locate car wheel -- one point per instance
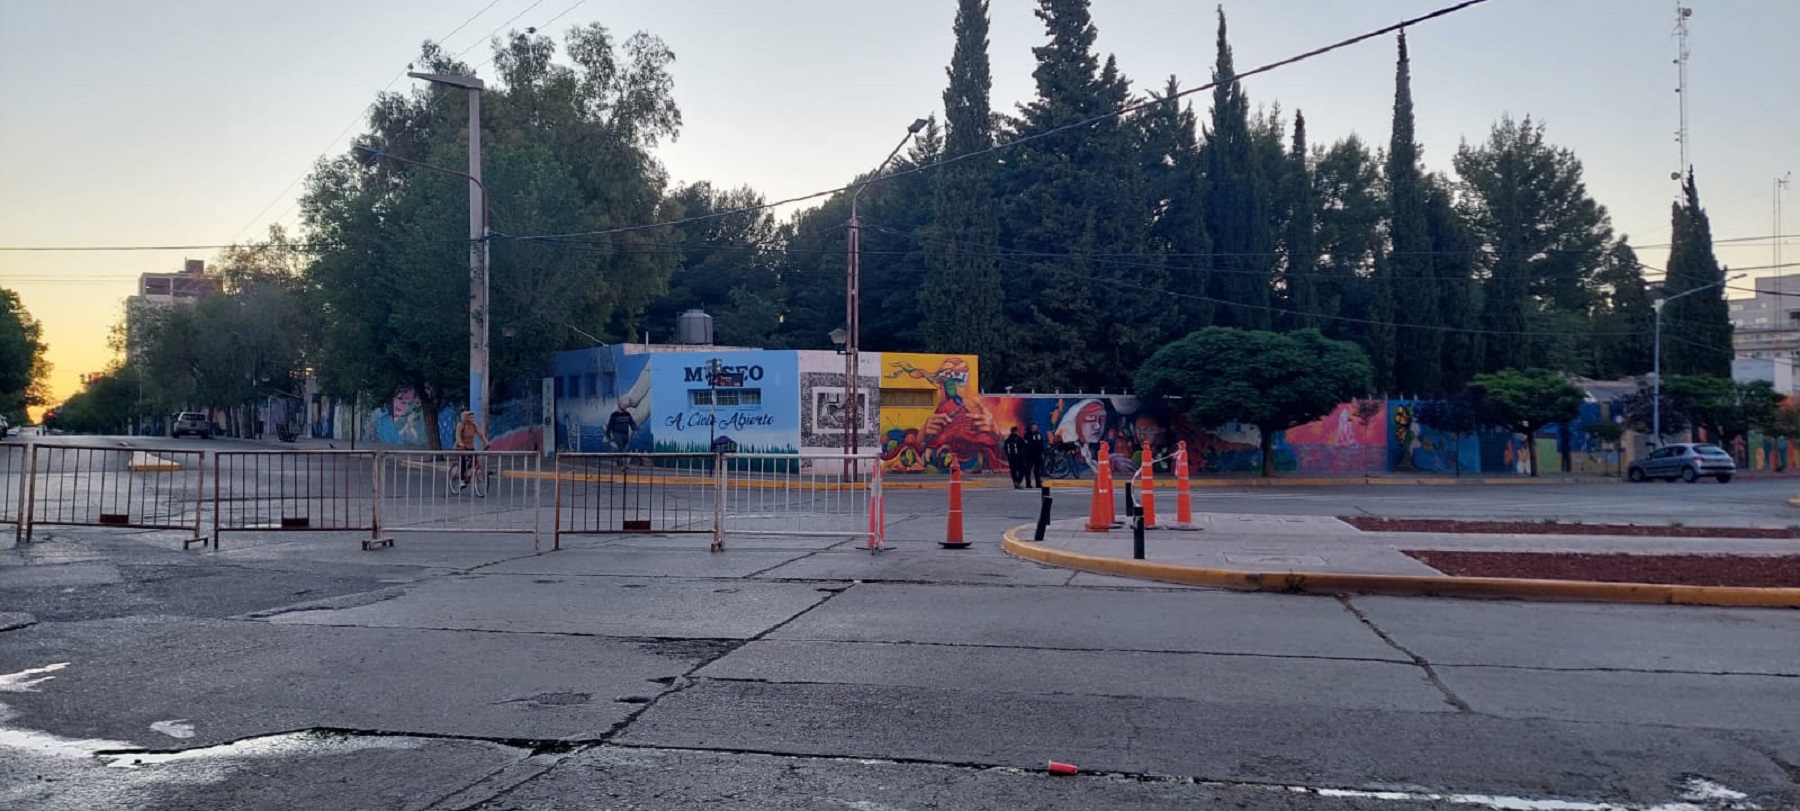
(1689, 475)
(1724, 478)
(1636, 474)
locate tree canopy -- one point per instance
(1271, 380)
(1525, 400)
(23, 369)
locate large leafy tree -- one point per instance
(1544, 238)
(962, 301)
(1529, 399)
(1239, 201)
(1274, 381)
(1453, 264)
(727, 264)
(1702, 320)
(1169, 153)
(570, 176)
(1418, 336)
(1346, 182)
(1726, 408)
(1623, 317)
(23, 369)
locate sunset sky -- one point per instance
(191, 123)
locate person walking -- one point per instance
(620, 426)
(1034, 457)
(1014, 447)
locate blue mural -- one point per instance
(590, 385)
(761, 416)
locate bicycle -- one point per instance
(467, 470)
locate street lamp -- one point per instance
(1656, 355)
(853, 313)
(478, 245)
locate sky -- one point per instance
(192, 123)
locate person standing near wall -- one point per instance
(1034, 456)
(620, 426)
(1014, 447)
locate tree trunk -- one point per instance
(1267, 440)
(1531, 450)
(428, 413)
(1456, 453)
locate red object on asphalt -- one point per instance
(1100, 511)
(1059, 767)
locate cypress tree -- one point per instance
(962, 297)
(1702, 321)
(1301, 245)
(1418, 339)
(1237, 202)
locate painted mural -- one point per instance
(943, 418)
(591, 384)
(1353, 438)
(762, 416)
(401, 421)
(823, 413)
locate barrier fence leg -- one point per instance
(556, 505)
(375, 538)
(30, 513)
(218, 499)
(720, 493)
(1148, 510)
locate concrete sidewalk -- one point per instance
(1321, 554)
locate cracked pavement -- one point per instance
(468, 671)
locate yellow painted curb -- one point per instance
(146, 462)
(1403, 585)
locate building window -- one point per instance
(731, 398)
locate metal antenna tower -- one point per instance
(1682, 13)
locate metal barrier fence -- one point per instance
(80, 485)
(427, 491)
(789, 494)
(607, 493)
(14, 471)
(317, 491)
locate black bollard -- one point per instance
(1137, 536)
(1043, 516)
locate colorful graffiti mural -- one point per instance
(1353, 438)
(932, 414)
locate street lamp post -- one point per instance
(853, 314)
(478, 246)
(1656, 355)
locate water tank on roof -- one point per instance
(693, 327)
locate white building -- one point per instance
(157, 290)
(1767, 325)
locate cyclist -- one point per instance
(466, 432)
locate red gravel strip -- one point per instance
(1756, 571)
(1373, 524)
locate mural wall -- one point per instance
(762, 416)
(823, 414)
(590, 386)
(931, 412)
(401, 420)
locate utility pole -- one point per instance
(1682, 13)
(853, 314)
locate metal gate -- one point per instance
(84, 485)
(14, 471)
(607, 493)
(317, 491)
(424, 491)
(795, 495)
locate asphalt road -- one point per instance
(471, 670)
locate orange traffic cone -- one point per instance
(1100, 512)
(953, 535)
(1149, 499)
(1184, 509)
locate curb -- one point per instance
(146, 462)
(1404, 585)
